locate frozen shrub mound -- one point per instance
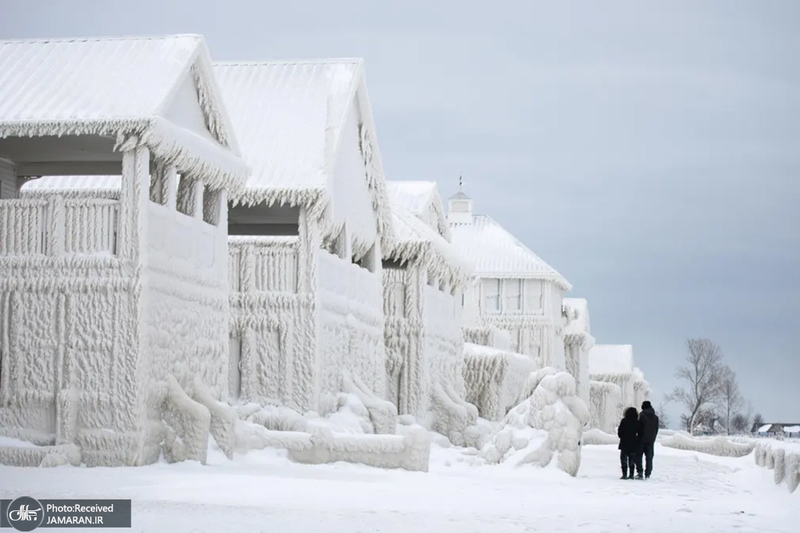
(546, 425)
(596, 436)
(713, 446)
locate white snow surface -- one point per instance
(265, 491)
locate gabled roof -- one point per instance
(119, 87)
(416, 241)
(497, 253)
(420, 198)
(289, 116)
(608, 359)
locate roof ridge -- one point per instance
(99, 38)
(269, 62)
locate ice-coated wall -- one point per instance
(100, 298)
(351, 325)
(273, 323)
(534, 326)
(494, 379)
(424, 351)
(578, 341)
(605, 406)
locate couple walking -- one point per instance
(637, 435)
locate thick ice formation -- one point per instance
(605, 406)
(547, 425)
(714, 445)
(422, 286)
(494, 379)
(783, 459)
(578, 341)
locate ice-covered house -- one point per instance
(513, 289)
(306, 234)
(104, 295)
(616, 383)
(578, 340)
(423, 277)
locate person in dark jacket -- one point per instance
(628, 442)
(648, 431)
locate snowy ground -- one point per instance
(263, 491)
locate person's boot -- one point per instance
(639, 476)
(625, 474)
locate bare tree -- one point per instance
(701, 379)
(758, 421)
(730, 399)
(663, 419)
(740, 423)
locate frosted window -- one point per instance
(186, 194)
(158, 185)
(513, 294)
(212, 205)
(491, 288)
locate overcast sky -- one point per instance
(651, 154)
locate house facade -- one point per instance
(615, 382)
(306, 234)
(423, 279)
(512, 290)
(103, 296)
(578, 341)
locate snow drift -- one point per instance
(546, 425)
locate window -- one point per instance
(491, 292)
(186, 195)
(513, 295)
(212, 205)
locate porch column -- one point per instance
(134, 195)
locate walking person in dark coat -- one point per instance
(648, 431)
(628, 442)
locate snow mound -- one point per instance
(714, 446)
(546, 425)
(596, 436)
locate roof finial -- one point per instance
(460, 183)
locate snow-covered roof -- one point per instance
(414, 240)
(764, 428)
(289, 116)
(496, 253)
(96, 186)
(120, 87)
(791, 429)
(420, 198)
(607, 359)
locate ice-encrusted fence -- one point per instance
(59, 226)
(264, 264)
(783, 459)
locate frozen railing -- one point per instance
(56, 227)
(23, 227)
(263, 264)
(90, 226)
